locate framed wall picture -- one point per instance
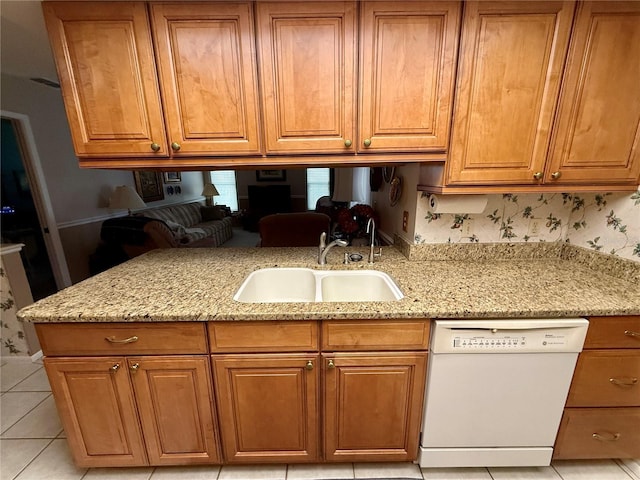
(172, 177)
(149, 185)
(271, 175)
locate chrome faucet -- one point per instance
(323, 249)
(371, 229)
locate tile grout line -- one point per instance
(14, 386)
(33, 459)
(25, 378)
(626, 469)
(27, 413)
(557, 472)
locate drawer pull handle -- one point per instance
(126, 340)
(609, 437)
(115, 368)
(631, 333)
(624, 383)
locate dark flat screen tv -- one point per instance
(268, 199)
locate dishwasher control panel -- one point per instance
(495, 340)
(504, 336)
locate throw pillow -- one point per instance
(210, 213)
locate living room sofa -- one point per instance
(172, 226)
(193, 224)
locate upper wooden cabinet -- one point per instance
(307, 57)
(511, 60)
(539, 108)
(408, 56)
(207, 70)
(597, 133)
(104, 58)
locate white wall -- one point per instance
(391, 216)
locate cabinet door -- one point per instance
(175, 403)
(268, 407)
(96, 407)
(373, 406)
(597, 133)
(511, 59)
(408, 55)
(307, 62)
(206, 62)
(104, 57)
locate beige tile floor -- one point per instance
(33, 447)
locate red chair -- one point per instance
(293, 229)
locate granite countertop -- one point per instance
(503, 280)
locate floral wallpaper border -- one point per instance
(607, 223)
(12, 340)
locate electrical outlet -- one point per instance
(467, 228)
(534, 227)
(405, 221)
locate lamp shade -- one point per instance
(210, 190)
(125, 197)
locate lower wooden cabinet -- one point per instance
(127, 398)
(97, 409)
(599, 433)
(602, 418)
(373, 405)
(268, 407)
(175, 404)
(109, 404)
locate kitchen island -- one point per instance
(154, 363)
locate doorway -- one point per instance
(20, 215)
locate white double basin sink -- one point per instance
(283, 285)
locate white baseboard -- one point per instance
(37, 356)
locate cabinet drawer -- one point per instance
(606, 378)
(613, 332)
(247, 337)
(122, 338)
(599, 433)
(375, 335)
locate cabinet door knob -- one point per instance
(115, 367)
(607, 437)
(134, 368)
(155, 147)
(624, 382)
(347, 143)
(331, 364)
(367, 142)
(556, 175)
(175, 146)
(309, 365)
(537, 175)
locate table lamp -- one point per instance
(209, 192)
(125, 197)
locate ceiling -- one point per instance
(24, 46)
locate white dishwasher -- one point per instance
(496, 390)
